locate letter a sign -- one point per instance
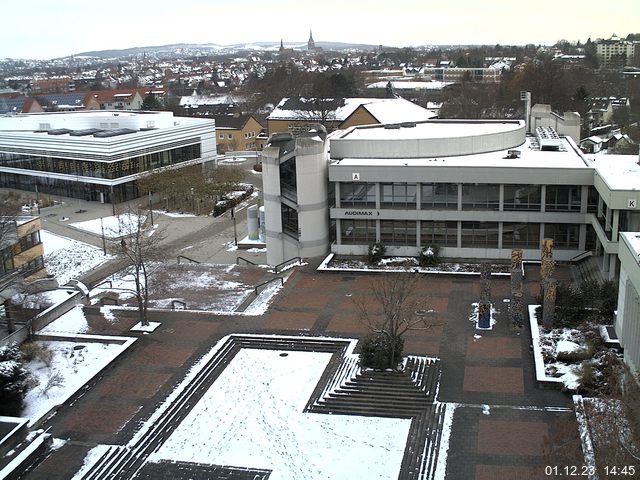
(355, 176)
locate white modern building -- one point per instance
(476, 188)
(98, 155)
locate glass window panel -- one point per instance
(522, 197)
(480, 196)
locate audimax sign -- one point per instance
(361, 213)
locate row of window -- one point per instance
(108, 170)
(247, 135)
(28, 241)
(445, 234)
(444, 196)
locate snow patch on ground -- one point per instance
(114, 226)
(73, 363)
(66, 258)
(71, 322)
(278, 435)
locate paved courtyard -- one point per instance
(499, 425)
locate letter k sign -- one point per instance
(632, 203)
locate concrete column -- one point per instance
(338, 231)
(582, 239)
(419, 196)
(459, 203)
(543, 198)
(378, 195)
(584, 199)
(336, 185)
(613, 261)
(615, 221)
(501, 198)
(459, 239)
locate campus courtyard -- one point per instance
(280, 395)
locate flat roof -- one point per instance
(530, 157)
(431, 130)
(620, 172)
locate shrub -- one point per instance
(33, 351)
(376, 252)
(376, 351)
(13, 381)
(429, 256)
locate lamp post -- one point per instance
(235, 230)
(150, 209)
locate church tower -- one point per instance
(311, 45)
(281, 46)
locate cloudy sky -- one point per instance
(48, 29)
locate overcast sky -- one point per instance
(47, 29)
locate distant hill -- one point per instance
(220, 49)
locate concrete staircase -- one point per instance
(587, 270)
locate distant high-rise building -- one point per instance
(311, 45)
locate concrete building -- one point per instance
(616, 52)
(98, 155)
(628, 317)
(567, 124)
(476, 188)
(296, 115)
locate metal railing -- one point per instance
(245, 260)
(255, 289)
(181, 304)
(286, 263)
(186, 258)
(581, 256)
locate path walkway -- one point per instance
(499, 424)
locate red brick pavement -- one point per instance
(507, 472)
(133, 383)
(493, 379)
(291, 320)
(494, 347)
(109, 417)
(506, 437)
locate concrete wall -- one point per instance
(567, 125)
(627, 324)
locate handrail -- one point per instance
(102, 283)
(275, 269)
(255, 289)
(242, 258)
(581, 256)
(186, 258)
(179, 302)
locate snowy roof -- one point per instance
(530, 157)
(620, 172)
(385, 110)
(633, 239)
(400, 85)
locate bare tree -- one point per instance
(139, 248)
(11, 278)
(395, 310)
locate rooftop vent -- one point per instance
(513, 154)
(548, 139)
(392, 126)
(59, 131)
(114, 133)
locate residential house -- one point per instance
(68, 102)
(122, 99)
(237, 133)
(295, 115)
(19, 104)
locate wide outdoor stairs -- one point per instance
(344, 389)
(587, 270)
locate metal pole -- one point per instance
(235, 230)
(37, 198)
(150, 209)
(104, 242)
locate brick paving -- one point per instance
(495, 369)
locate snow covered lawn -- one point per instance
(252, 416)
(73, 364)
(66, 258)
(114, 226)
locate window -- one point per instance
(480, 234)
(522, 197)
(398, 195)
(359, 232)
(221, 136)
(443, 234)
(480, 196)
(564, 235)
(439, 196)
(288, 180)
(563, 198)
(289, 221)
(29, 241)
(230, 136)
(520, 235)
(398, 232)
(362, 195)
